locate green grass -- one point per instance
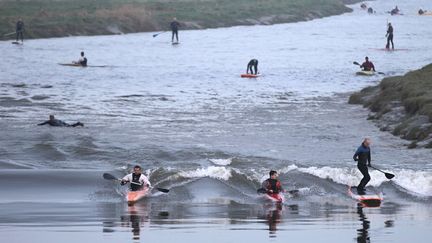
(52, 18)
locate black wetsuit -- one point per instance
(84, 62)
(59, 123)
(390, 37)
(272, 184)
(370, 10)
(363, 158)
(20, 31)
(174, 28)
(252, 63)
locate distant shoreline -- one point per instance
(402, 105)
(45, 19)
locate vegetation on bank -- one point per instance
(56, 18)
(402, 105)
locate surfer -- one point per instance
(82, 60)
(174, 28)
(272, 184)
(19, 30)
(252, 64)
(136, 179)
(389, 36)
(59, 123)
(367, 65)
(394, 11)
(363, 158)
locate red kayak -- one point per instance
(275, 197)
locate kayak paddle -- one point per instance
(358, 64)
(158, 34)
(263, 190)
(387, 175)
(108, 176)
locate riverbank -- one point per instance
(60, 18)
(402, 105)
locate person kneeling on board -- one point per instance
(82, 60)
(252, 64)
(136, 179)
(272, 184)
(363, 158)
(367, 65)
(59, 123)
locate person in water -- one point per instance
(136, 179)
(389, 36)
(82, 60)
(367, 65)
(272, 184)
(174, 29)
(19, 30)
(363, 6)
(421, 11)
(370, 10)
(59, 123)
(363, 158)
(252, 64)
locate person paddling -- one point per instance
(20, 30)
(82, 60)
(389, 36)
(174, 29)
(367, 65)
(252, 64)
(136, 179)
(394, 11)
(272, 184)
(421, 11)
(59, 123)
(363, 158)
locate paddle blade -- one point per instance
(293, 191)
(389, 176)
(108, 176)
(262, 190)
(356, 63)
(155, 35)
(162, 190)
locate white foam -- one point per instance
(211, 171)
(415, 181)
(222, 162)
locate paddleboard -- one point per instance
(175, 43)
(426, 14)
(134, 196)
(370, 199)
(275, 197)
(250, 75)
(365, 73)
(17, 43)
(389, 49)
(79, 65)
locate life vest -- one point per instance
(274, 185)
(135, 179)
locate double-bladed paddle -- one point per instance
(108, 176)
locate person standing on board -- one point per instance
(252, 64)
(136, 179)
(363, 158)
(174, 28)
(367, 65)
(272, 184)
(389, 36)
(19, 30)
(82, 60)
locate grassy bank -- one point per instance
(402, 105)
(55, 18)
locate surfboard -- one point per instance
(250, 75)
(371, 198)
(389, 49)
(175, 43)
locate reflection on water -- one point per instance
(362, 233)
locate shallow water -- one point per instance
(184, 113)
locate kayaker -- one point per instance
(174, 28)
(389, 36)
(252, 64)
(363, 158)
(136, 179)
(59, 123)
(82, 60)
(367, 65)
(20, 30)
(272, 184)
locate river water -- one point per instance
(185, 115)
